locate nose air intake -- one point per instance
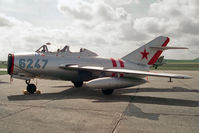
(10, 66)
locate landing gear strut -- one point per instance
(31, 88)
(170, 80)
(78, 84)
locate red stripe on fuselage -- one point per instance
(12, 65)
(113, 75)
(114, 65)
(158, 53)
(122, 66)
(121, 63)
(114, 62)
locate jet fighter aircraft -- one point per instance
(86, 67)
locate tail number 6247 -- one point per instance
(30, 63)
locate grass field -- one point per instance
(180, 65)
(183, 61)
(3, 72)
(3, 64)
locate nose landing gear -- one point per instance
(31, 88)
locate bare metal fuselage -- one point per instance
(26, 64)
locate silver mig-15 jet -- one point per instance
(87, 67)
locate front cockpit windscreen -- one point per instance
(43, 49)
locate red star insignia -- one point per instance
(144, 54)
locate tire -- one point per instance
(78, 84)
(31, 88)
(107, 91)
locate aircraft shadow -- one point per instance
(3, 82)
(132, 110)
(174, 89)
(120, 95)
(62, 86)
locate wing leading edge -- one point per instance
(124, 71)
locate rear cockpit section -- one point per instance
(66, 51)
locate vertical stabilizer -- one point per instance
(147, 55)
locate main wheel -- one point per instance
(107, 91)
(31, 88)
(78, 84)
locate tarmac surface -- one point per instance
(155, 107)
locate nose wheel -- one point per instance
(31, 88)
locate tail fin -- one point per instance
(147, 54)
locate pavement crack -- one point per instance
(11, 114)
(117, 123)
(121, 117)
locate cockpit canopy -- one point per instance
(66, 50)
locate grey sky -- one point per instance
(112, 28)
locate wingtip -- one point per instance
(186, 77)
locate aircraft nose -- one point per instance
(10, 67)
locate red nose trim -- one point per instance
(12, 65)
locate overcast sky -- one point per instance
(112, 28)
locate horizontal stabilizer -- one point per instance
(166, 48)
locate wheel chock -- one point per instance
(38, 91)
(25, 92)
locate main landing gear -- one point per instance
(78, 84)
(31, 88)
(107, 91)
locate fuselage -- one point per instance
(47, 65)
(101, 73)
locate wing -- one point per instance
(124, 71)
